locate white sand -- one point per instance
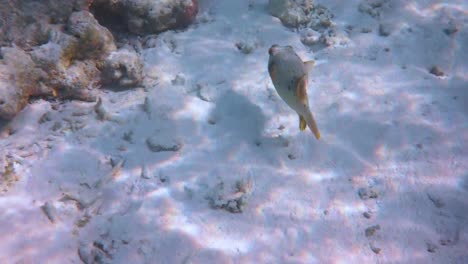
(387, 126)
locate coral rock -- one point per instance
(146, 16)
(11, 99)
(95, 41)
(19, 79)
(292, 13)
(25, 22)
(122, 68)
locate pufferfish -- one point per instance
(289, 75)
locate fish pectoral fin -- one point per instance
(302, 123)
(301, 90)
(309, 65)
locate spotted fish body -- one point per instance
(289, 75)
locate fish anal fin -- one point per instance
(302, 123)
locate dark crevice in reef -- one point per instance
(112, 18)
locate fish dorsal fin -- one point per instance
(309, 65)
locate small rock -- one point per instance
(244, 186)
(445, 242)
(367, 215)
(100, 111)
(370, 231)
(80, 205)
(232, 202)
(375, 249)
(83, 221)
(95, 254)
(144, 173)
(310, 37)
(436, 201)
(212, 121)
(117, 164)
(206, 92)
(77, 81)
(116, 161)
(8, 176)
(49, 210)
(85, 255)
(52, 55)
(385, 30)
(320, 18)
(366, 30)
(437, 71)
(335, 37)
(128, 136)
(147, 106)
(372, 7)
(155, 144)
(123, 68)
(292, 13)
(451, 29)
(164, 178)
(367, 193)
(56, 126)
(292, 156)
(46, 117)
(431, 247)
(245, 47)
(179, 80)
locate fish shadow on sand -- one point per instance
(237, 119)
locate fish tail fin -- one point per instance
(302, 123)
(312, 124)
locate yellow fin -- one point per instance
(313, 126)
(302, 123)
(302, 90)
(309, 65)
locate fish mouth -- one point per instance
(272, 49)
(275, 47)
